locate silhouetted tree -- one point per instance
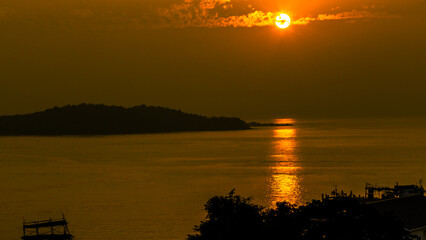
(230, 217)
(284, 222)
(349, 219)
(234, 217)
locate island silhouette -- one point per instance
(99, 119)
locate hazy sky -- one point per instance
(216, 57)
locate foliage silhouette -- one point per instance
(234, 217)
(230, 217)
(86, 119)
(347, 218)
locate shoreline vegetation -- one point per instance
(99, 119)
(233, 217)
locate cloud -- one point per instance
(354, 14)
(234, 13)
(214, 13)
(188, 13)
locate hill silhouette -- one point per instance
(91, 119)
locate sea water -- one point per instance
(154, 186)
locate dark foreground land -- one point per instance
(234, 217)
(90, 119)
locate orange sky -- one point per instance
(340, 58)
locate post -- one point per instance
(51, 226)
(23, 227)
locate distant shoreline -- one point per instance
(118, 134)
(258, 124)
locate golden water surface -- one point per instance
(154, 186)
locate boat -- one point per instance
(51, 229)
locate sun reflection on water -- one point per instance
(284, 182)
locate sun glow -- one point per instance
(283, 21)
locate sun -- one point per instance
(283, 21)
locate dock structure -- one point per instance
(51, 229)
(410, 210)
(406, 203)
(374, 192)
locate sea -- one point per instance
(154, 186)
